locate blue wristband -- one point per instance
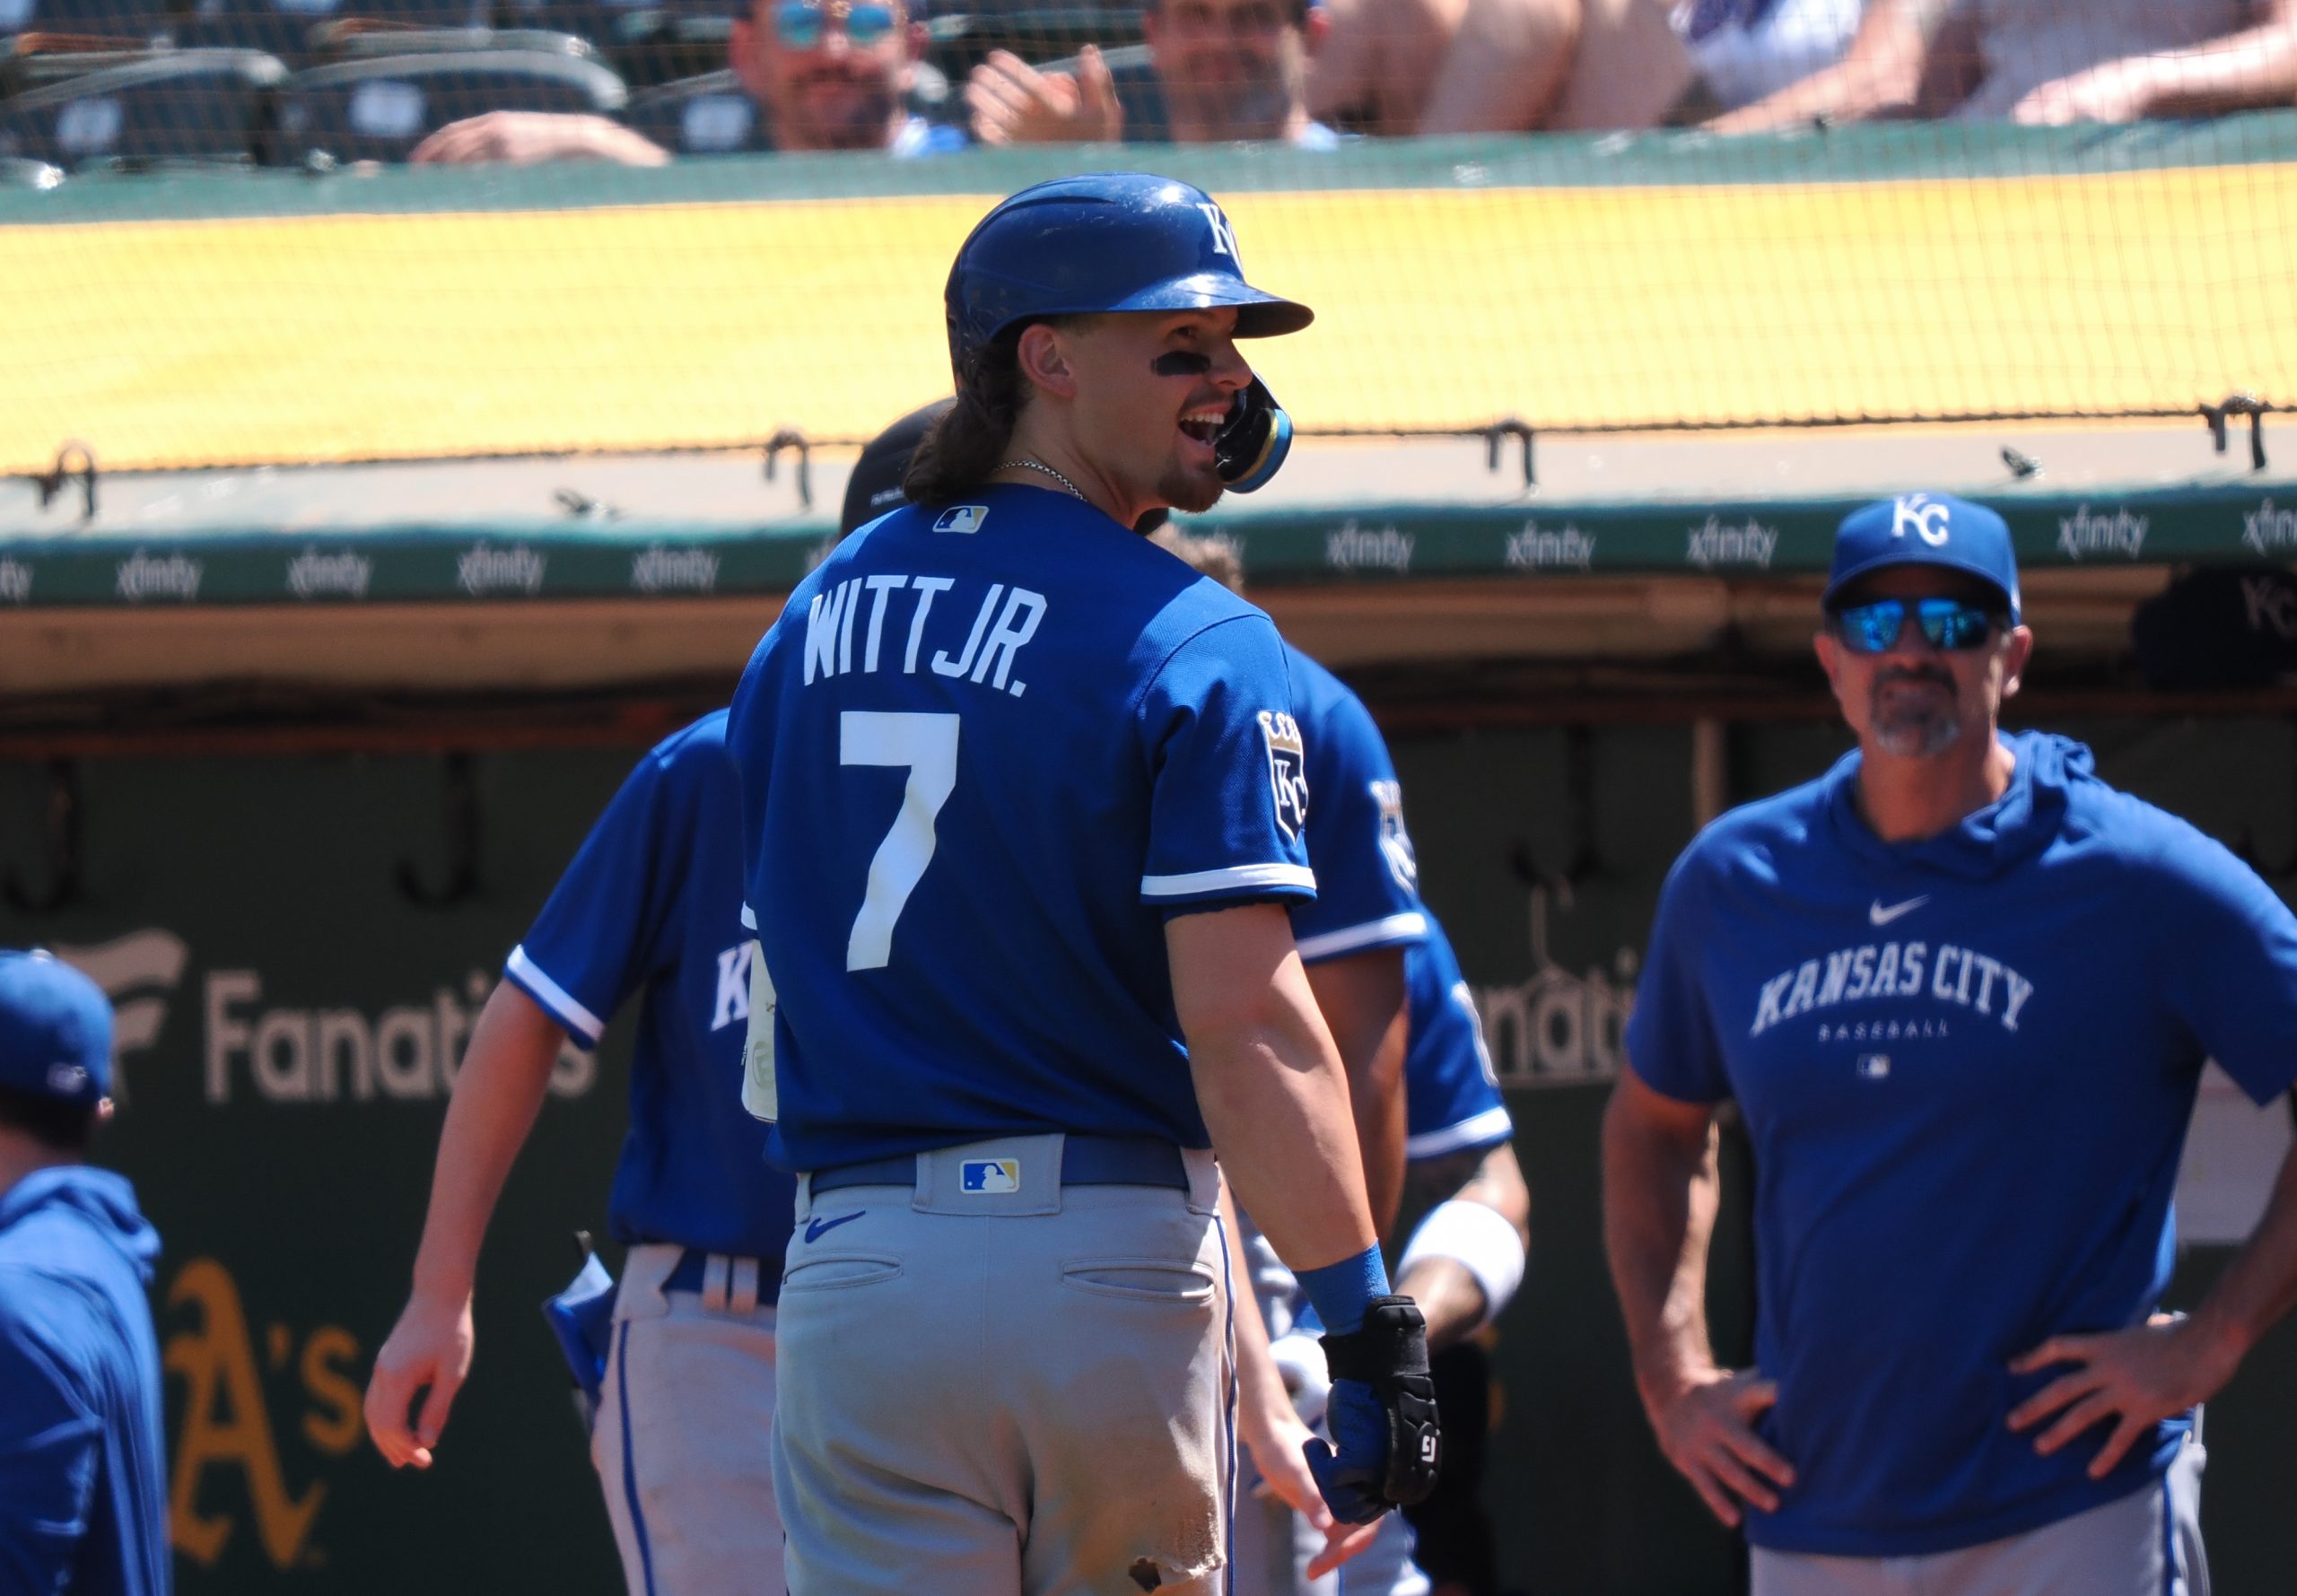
(1341, 1290)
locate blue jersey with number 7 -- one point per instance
(985, 752)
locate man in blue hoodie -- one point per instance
(83, 1497)
(1962, 991)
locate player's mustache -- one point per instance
(1931, 675)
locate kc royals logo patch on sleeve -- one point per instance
(1395, 842)
(989, 1177)
(1288, 771)
(761, 1092)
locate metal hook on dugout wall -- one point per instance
(2247, 405)
(1495, 437)
(63, 836)
(51, 481)
(459, 823)
(791, 438)
(1584, 862)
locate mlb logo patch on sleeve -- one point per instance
(990, 1177)
(1288, 770)
(962, 517)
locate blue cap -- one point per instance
(55, 1030)
(1105, 241)
(1925, 530)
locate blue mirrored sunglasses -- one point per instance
(1953, 624)
(798, 25)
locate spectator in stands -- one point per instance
(1745, 49)
(2047, 61)
(824, 75)
(1453, 67)
(1217, 70)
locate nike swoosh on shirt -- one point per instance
(1876, 914)
(818, 1228)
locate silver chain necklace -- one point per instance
(1075, 491)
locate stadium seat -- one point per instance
(18, 173)
(141, 20)
(379, 109)
(298, 30)
(709, 115)
(361, 38)
(188, 105)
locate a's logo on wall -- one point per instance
(1288, 770)
(227, 1456)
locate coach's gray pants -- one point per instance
(2146, 1544)
(1023, 1393)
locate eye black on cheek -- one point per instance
(1180, 363)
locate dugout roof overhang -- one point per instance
(608, 573)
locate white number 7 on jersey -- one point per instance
(928, 746)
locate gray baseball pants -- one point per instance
(2148, 1543)
(1022, 1391)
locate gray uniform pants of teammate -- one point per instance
(2148, 1543)
(683, 1420)
(1020, 1392)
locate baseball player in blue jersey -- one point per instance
(1961, 991)
(1382, 972)
(651, 906)
(1466, 1254)
(84, 1505)
(1023, 804)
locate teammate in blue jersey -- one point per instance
(652, 906)
(1386, 981)
(84, 1505)
(1961, 991)
(1023, 809)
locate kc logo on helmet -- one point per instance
(1224, 237)
(990, 1177)
(1915, 512)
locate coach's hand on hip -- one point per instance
(2137, 1377)
(1704, 1423)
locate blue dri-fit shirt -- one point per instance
(84, 1498)
(1452, 1101)
(985, 751)
(1966, 1065)
(1367, 881)
(653, 903)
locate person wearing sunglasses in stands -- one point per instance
(1962, 991)
(801, 75)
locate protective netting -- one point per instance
(1734, 212)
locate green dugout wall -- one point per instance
(293, 1015)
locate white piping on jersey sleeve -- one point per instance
(1373, 933)
(556, 998)
(1488, 1126)
(749, 920)
(1232, 875)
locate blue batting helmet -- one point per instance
(1107, 242)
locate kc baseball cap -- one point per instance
(55, 1030)
(1925, 530)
